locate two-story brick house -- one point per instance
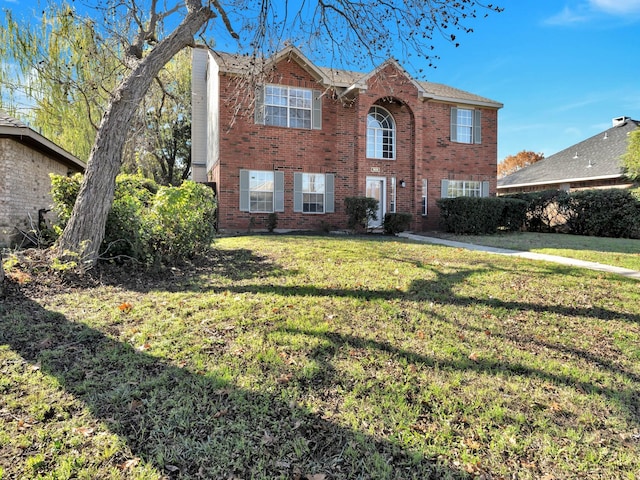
(298, 139)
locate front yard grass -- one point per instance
(619, 252)
(304, 357)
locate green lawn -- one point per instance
(619, 252)
(304, 357)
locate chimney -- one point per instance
(619, 121)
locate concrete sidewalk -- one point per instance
(530, 255)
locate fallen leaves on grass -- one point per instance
(125, 307)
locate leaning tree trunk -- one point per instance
(84, 232)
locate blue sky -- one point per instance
(562, 69)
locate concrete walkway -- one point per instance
(530, 255)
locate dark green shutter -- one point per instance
(278, 203)
(329, 193)
(244, 190)
(316, 112)
(477, 135)
(454, 124)
(259, 107)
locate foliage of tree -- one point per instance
(160, 142)
(513, 163)
(148, 223)
(64, 70)
(631, 159)
(356, 30)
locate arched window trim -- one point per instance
(381, 137)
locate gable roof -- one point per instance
(596, 158)
(345, 79)
(13, 128)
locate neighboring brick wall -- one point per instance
(423, 149)
(25, 187)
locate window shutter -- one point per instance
(485, 189)
(244, 190)
(297, 192)
(454, 124)
(259, 107)
(316, 113)
(477, 135)
(329, 193)
(278, 200)
(444, 188)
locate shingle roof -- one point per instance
(13, 128)
(245, 64)
(597, 157)
(7, 120)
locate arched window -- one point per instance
(381, 134)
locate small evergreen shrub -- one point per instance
(272, 222)
(395, 223)
(360, 211)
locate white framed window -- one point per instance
(465, 125)
(261, 191)
(292, 107)
(392, 197)
(313, 192)
(424, 197)
(464, 188)
(381, 134)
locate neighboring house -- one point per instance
(301, 139)
(593, 163)
(26, 160)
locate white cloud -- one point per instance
(616, 7)
(567, 16)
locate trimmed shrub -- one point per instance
(545, 210)
(603, 213)
(360, 211)
(395, 223)
(480, 216)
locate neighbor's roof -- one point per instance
(596, 158)
(245, 64)
(21, 132)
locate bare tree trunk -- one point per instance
(86, 227)
(1, 275)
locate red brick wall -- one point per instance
(423, 149)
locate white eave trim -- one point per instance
(554, 182)
(460, 101)
(20, 132)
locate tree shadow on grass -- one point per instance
(190, 424)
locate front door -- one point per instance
(376, 188)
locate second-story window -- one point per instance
(381, 134)
(283, 106)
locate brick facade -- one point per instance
(25, 187)
(423, 149)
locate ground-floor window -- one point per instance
(464, 188)
(313, 192)
(261, 191)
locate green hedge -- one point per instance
(480, 216)
(603, 213)
(545, 209)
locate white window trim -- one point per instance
(245, 191)
(328, 195)
(381, 131)
(483, 188)
(315, 109)
(476, 125)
